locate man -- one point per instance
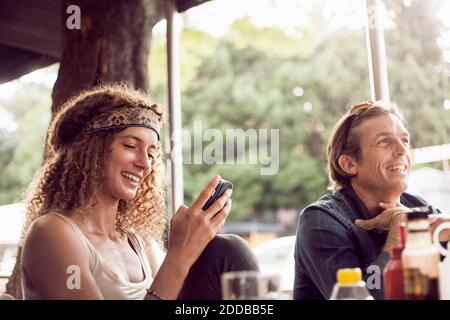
(358, 225)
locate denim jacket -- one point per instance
(327, 240)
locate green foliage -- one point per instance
(21, 150)
(274, 42)
(247, 81)
(415, 63)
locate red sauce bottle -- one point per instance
(393, 276)
(393, 272)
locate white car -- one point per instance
(276, 256)
(12, 218)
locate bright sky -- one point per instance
(7, 121)
(7, 90)
(287, 14)
(45, 76)
(283, 14)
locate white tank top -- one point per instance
(112, 285)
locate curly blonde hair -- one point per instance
(75, 165)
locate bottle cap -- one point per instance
(349, 275)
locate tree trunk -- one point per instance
(112, 45)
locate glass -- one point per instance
(420, 259)
(444, 268)
(250, 285)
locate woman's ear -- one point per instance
(347, 164)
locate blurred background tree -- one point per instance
(261, 77)
(419, 76)
(299, 82)
(21, 149)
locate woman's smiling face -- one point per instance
(129, 163)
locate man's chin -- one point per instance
(400, 186)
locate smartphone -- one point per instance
(223, 186)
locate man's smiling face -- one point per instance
(385, 159)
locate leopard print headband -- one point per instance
(124, 117)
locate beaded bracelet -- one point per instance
(155, 294)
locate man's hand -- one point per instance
(383, 221)
(389, 219)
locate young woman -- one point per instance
(95, 211)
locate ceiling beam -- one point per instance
(32, 25)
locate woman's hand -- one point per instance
(192, 228)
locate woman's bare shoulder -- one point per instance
(51, 247)
(50, 231)
(49, 224)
